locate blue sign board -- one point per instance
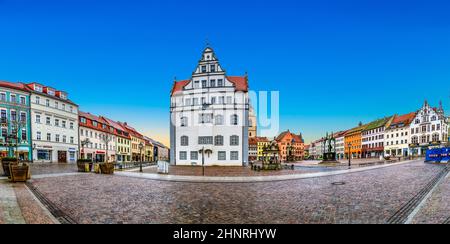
(438, 155)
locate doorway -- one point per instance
(62, 157)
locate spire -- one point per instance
(426, 103)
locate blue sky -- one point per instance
(335, 63)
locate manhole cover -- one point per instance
(338, 183)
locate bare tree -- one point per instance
(106, 139)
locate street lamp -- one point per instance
(32, 152)
(203, 161)
(349, 156)
(141, 146)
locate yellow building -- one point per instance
(122, 141)
(137, 144)
(148, 150)
(262, 142)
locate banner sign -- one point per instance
(438, 155)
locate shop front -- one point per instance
(23, 153)
(99, 156)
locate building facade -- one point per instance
(149, 150)
(291, 146)
(160, 151)
(252, 149)
(306, 153)
(429, 129)
(15, 124)
(122, 141)
(137, 143)
(373, 138)
(316, 149)
(340, 145)
(262, 142)
(397, 136)
(97, 138)
(209, 117)
(54, 124)
(353, 142)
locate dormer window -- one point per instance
(50, 92)
(94, 123)
(38, 88)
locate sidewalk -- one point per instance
(19, 206)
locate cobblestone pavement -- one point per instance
(49, 168)
(19, 206)
(52, 168)
(437, 208)
(32, 212)
(366, 197)
(232, 171)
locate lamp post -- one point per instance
(141, 146)
(32, 152)
(349, 156)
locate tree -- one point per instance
(106, 139)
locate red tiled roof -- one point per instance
(262, 139)
(253, 141)
(117, 126)
(297, 138)
(179, 85)
(29, 87)
(92, 117)
(132, 130)
(406, 119)
(240, 82)
(12, 85)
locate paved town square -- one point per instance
(368, 196)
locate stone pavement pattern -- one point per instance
(232, 171)
(18, 206)
(437, 208)
(367, 197)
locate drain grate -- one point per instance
(52, 208)
(338, 183)
(447, 222)
(401, 216)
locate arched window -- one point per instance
(234, 140)
(435, 137)
(219, 120)
(433, 118)
(218, 140)
(184, 141)
(184, 122)
(415, 140)
(423, 139)
(234, 119)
